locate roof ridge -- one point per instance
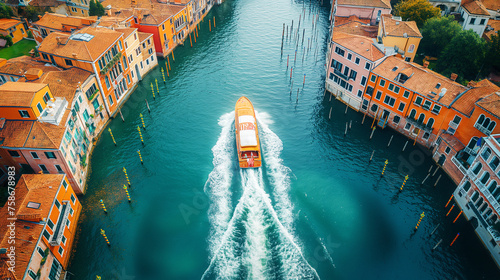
(46, 134)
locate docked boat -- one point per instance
(247, 134)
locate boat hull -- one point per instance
(247, 135)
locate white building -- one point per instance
(446, 6)
(474, 16)
(478, 195)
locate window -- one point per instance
(427, 105)
(110, 99)
(24, 114)
(418, 100)
(396, 119)
(68, 62)
(73, 198)
(65, 185)
(120, 43)
(14, 154)
(46, 97)
(50, 154)
(349, 56)
(340, 51)
(363, 80)
(411, 48)
(34, 155)
(391, 87)
(447, 150)
(57, 203)
(39, 107)
(368, 65)
(33, 205)
(32, 274)
(396, 89)
(40, 251)
(124, 63)
(128, 78)
(485, 124)
(407, 127)
(373, 78)
(406, 94)
(63, 240)
(50, 223)
(486, 153)
(106, 79)
(374, 107)
(413, 113)
(45, 57)
(472, 20)
(68, 223)
(353, 75)
(436, 109)
(382, 83)
(379, 94)
(477, 168)
(46, 234)
(336, 65)
(59, 169)
(426, 135)
(360, 93)
(61, 250)
(421, 118)
(401, 106)
(457, 119)
(356, 60)
(430, 123)
(43, 168)
(389, 100)
(482, 21)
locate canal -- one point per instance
(317, 209)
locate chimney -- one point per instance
(74, 55)
(426, 64)
(471, 84)
(58, 40)
(109, 12)
(453, 76)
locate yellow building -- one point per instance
(78, 8)
(14, 28)
(404, 36)
(23, 101)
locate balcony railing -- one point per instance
(459, 165)
(61, 223)
(111, 63)
(453, 125)
(419, 124)
(179, 27)
(338, 73)
(482, 129)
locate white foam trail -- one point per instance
(219, 182)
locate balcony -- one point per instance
(111, 63)
(459, 165)
(180, 27)
(339, 73)
(482, 129)
(54, 111)
(419, 124)
(61, 223)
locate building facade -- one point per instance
(474, 15)
(404, 36)
(363, 9)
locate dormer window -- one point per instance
(438, 85)
(402, 78)
(34, 205)
(394, 69)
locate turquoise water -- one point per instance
(316, 210)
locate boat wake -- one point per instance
(254, 240)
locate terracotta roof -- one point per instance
(359, 44)
(491, 103)
(46, 135)
(465, 102)
(366, 3)
(39, 188)
(343, 20)
(357, 28)
(397, 28)
(495, 24)
(88, 51)
(144, 36)
(492, 4)
(65, 83)
(57, 21)
(421, 80)
(15, 133)
(126, 31)
(453, 141)
(18, 94)
(151, 12)
(476, 8)
(19, 65)
(6, 23)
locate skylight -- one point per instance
(82, 37)
(34, 205)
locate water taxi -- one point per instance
(247, 134)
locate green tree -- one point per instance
(5, 11)
(464, 55)
(100, 9)
(417, 10)
(92, 8)
(31, 13)
(492, 61)
(437, 33)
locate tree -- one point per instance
(464, 55)
(417, 10)
(96, 8)
(5, 11)
(438, 33)
(493, 54)
(31, 12)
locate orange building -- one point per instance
(23, 101)
(43, 223)
(57, 23)
(14, 28)
(98, 50)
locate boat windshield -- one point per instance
(250, 154)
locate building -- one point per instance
(404, 36)
(57, 23)
(478, 194)
(364, 9)
(18, 67)
(98, 50)
(23, 101)
(148, 59)
(475, 116)
(446, 6)
(411, 99)
(13, 28)
(46, 216)
(356, 26)
(493, 7)
(351, 59)
(491, 29)
(60, 139)
(474, 16)
(78, 7)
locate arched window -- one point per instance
(487, 213)
(492, 126)
(466, 186)
(493, 186)
(472, 142)
(483, 207)
(486, 153)
(421, 118)
(413, 113)
(477, 168)
(430, 122)
(494, 162)
(479, 201)
(493, 220)
(411, 48)
(475, 196)
(485, 178)
(481, 119)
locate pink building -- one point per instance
(351, 59)
(365, 9)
